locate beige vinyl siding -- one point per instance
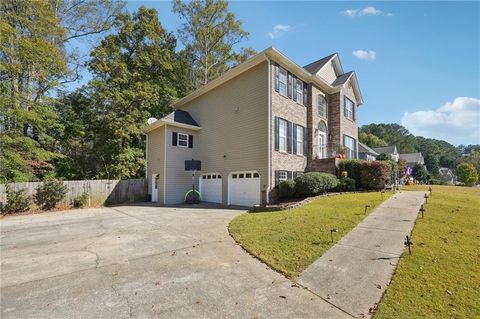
(156, 159)
(178, 181)
(328, 73)
(234, 126)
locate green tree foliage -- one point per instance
(371, 140)
(467, 174)
(390, 134)
(209, 33)
(135, 76)
(419, 173)
(34, 61)
(474, 159)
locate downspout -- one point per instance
(269, 133)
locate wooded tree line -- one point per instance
(437, 153)
(137, 72)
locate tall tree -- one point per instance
(34, 61)
(136, 75)
(209, 34)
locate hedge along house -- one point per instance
(262, 122)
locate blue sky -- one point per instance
(418, 63)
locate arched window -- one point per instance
(322, 127)
(322, 106)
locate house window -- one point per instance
(299, 91)
(299, 140)
(322, 106)
(282, 81)
(350, 147)
(349, 109)
(182, 140)
(282, 135)
(282, 176)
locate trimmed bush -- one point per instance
(50, 194)
(17, 201)
(286, 189)
(367, 174)
(81, 200)
(314, 183)
(345, 184)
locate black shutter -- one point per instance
(190, 141)
(277, 179)
(174, 138)
(277, 136)
(305, 94)
(289, 137)
(354, 113)
(305, 141)
(276, 77)
(289, 175)
(294, 88)
(289, 85)
(294, 138)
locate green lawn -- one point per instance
(441, 279)
(290, 240)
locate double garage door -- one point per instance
(243, 188)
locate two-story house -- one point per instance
(262, 122)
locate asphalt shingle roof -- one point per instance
(413, 158)
(314, 67)
(181, 116)
(342, 79)
(385, 150)
(364, 148)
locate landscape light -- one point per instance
(422, 210)
(383, 191)
(332, 230)
(366, 206)
(426, 198)
(408, 242)
(430, 190)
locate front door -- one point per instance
(155, 187)
(322, 146)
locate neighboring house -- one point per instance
(262, 122)
(366, 153)
(388, 150)
(447, 175)
(412, 159)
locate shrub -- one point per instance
(17, 201)
(434, 181)
(395, 174)
(467, 174)
(50, 194)
(374, 174)
(313, 183)
(81, 200)
(286, 189)
(352, 167)
(345, 184)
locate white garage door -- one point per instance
(211, 187)
(244, 188)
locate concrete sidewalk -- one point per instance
(354, 274)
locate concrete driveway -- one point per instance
(141, 262)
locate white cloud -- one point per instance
(365, 55)
(370, 11)
(457, 121)
(279, 30)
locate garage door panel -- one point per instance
(211, 187)
(244, 188)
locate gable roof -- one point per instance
(316, 66)
(413, 158)
(365, 149)
(179, 118)
(392, 149)
(342, 79)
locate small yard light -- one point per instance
(383, 191)
(366, 207)
(430, 190)
(332, 230)
(422, 210)
(426, 198)
(408, 242)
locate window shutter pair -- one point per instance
(175, 139)
(190, 141)
(289, 137)
(294, 138)
(277, 134)
(277, 85)
(289, 84)
(305, 91)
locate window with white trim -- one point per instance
(182, 140)
(299, 140)
(349, 109)
(299, 90)
(322, 106)
(282, 81)
(282, 176)
(282, 135)
(350, 147)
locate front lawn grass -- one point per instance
(441, 279)
(290, 240)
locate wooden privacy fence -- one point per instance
(100, 192)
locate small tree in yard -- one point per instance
(467, 174)
(50, 194)
(17, 201)
(419, 172)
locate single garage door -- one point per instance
(244, 188)
(211, 187)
